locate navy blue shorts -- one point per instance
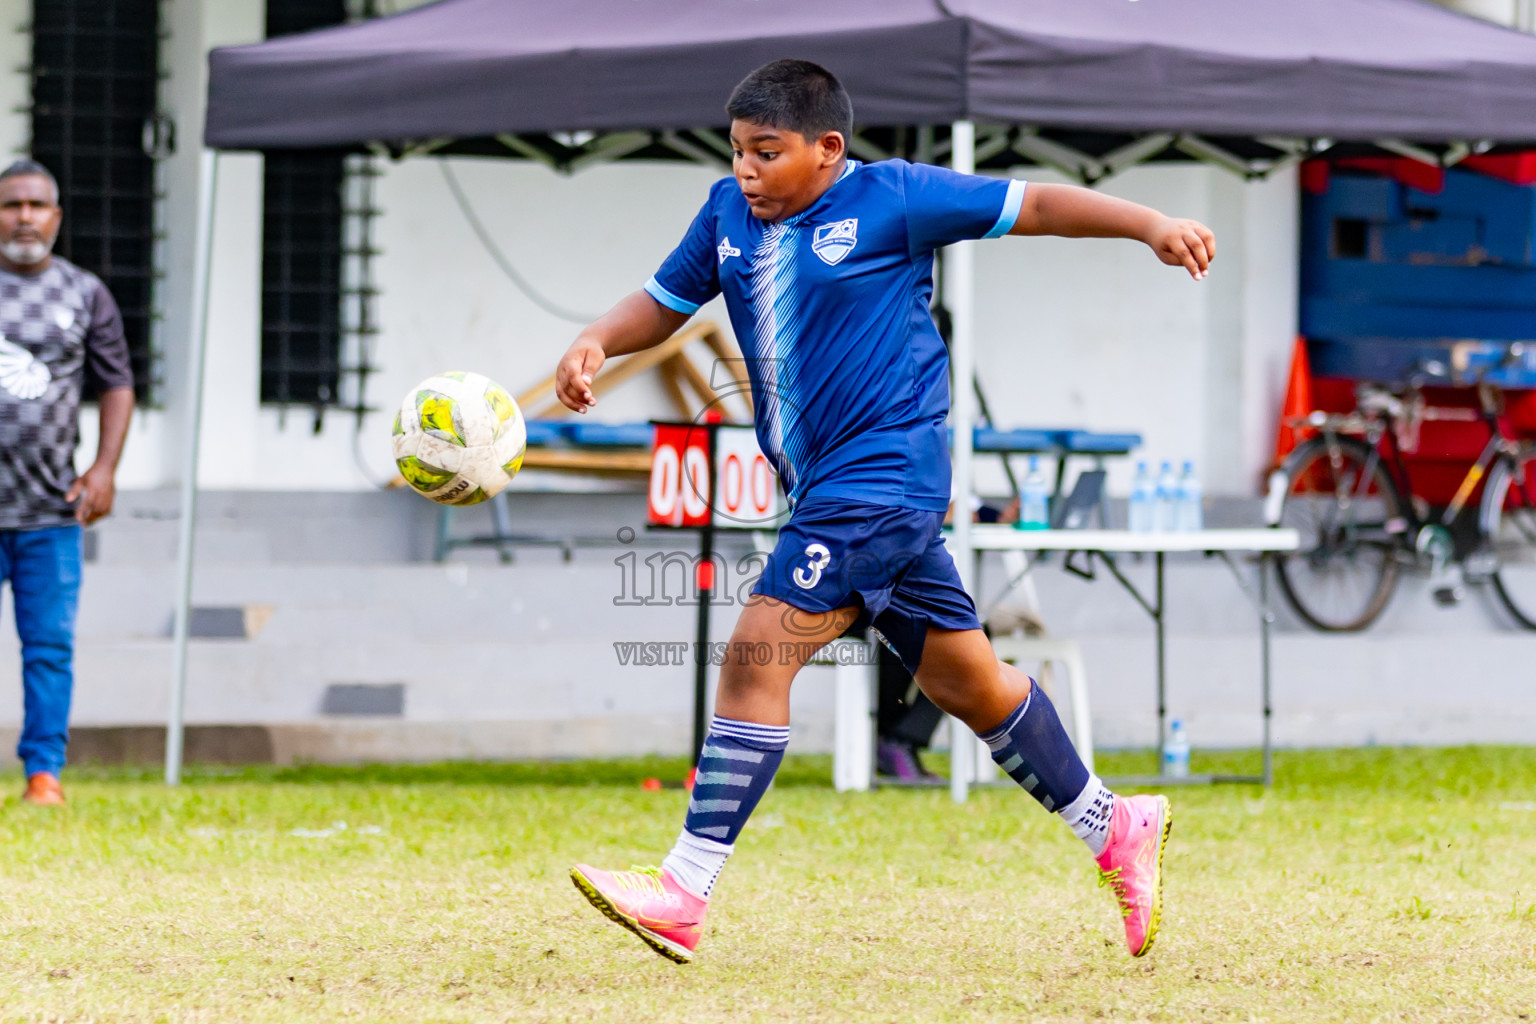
(891, 563)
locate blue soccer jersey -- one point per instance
(830, 308)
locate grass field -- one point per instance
(1367, 885)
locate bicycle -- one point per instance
(1347, 490)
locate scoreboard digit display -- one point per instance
(746, 488)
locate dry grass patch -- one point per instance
(1367, 885)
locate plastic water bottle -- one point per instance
(1034, 499)
(1166, 503)
(1191, 512)
(1274, 496)
(1140, 518)
(1176, 751)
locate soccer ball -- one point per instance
(459, 438)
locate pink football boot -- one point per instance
(650, 903)
(1132, 865)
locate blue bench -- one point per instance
(1058, 444)
(1020, 441)
(543, 433)
(1033, 442)
(1087, 442)
(611, 435)
(1053, 442)
(623, 441)
(556, 433)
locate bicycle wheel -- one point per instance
(1508, 519)
(1342, 501)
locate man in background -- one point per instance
(59, 330)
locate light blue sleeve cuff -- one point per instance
(681, 305)
(1012, 202)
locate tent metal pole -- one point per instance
(207, 182)
(960, 288)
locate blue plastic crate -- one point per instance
(1392, 277)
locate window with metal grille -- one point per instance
(301, 278)
(95, 69)
(302, 249)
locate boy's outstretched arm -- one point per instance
(637, 322)
(1074, 212)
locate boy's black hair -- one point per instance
(26, 167)
(793, 95)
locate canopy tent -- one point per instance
(1078, 84)
(1340, 69)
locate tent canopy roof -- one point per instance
(1337, 69)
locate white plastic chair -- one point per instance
(1017, 648)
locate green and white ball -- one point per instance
(459, 438)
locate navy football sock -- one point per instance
(1033, 748)
(736, 765)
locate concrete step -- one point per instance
(1326, 690)
(519, 660)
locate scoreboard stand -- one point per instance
(708, 475)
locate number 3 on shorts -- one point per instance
(820, 558)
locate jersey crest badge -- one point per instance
(726, 250)
(833, 242)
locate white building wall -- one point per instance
(1505, 12)
(152, 455)
(1100, 334)
(1089, 333)
(582, 241)
(1071, 333)
(15, 57)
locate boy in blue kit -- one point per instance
(826, 268)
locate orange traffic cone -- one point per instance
(1298, 400)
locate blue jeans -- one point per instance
(43, 567)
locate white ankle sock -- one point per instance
(696, 861)
(1088, 815)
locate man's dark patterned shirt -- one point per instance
(57, 328)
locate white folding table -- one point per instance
(1102, 546)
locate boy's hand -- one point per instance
(638, 322)
(1183, 243)
(573, 378)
